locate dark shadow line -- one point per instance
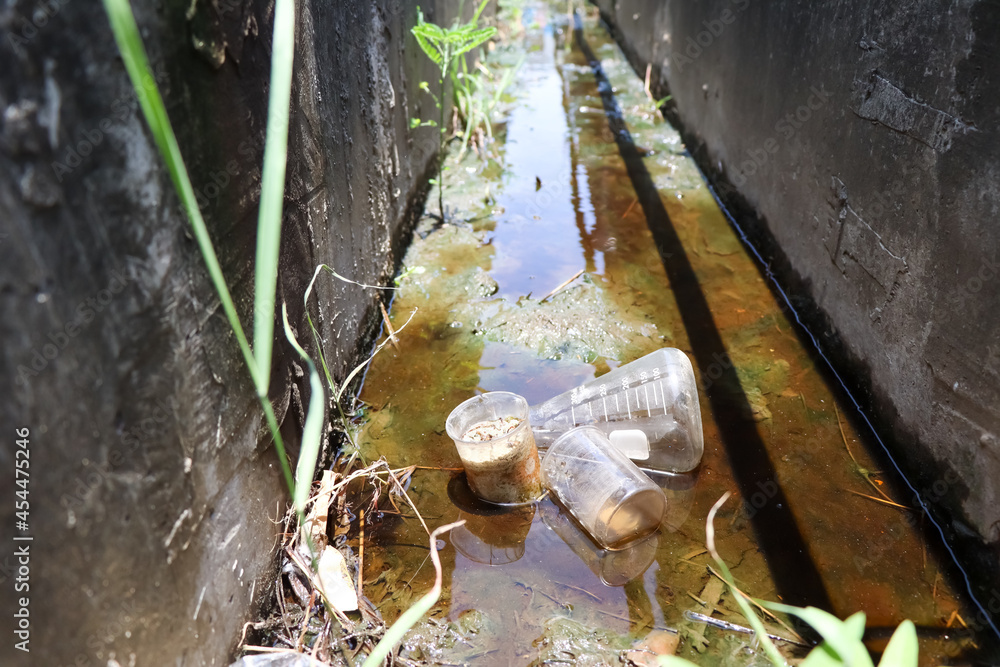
(796, 577)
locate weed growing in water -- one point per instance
(445, 46)
(475, 103)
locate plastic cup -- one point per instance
(604, 491)
(502, 469)
(649, 408)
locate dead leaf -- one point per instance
(653, 645)
(319, 512)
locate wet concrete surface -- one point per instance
(811, 524)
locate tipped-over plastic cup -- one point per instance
(497, 448)
(648, 408)
(604, 491)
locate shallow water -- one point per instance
(525, 586)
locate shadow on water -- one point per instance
(792, 567)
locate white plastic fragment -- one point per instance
(335, 582)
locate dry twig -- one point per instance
(561, 286)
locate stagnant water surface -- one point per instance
(527, 586)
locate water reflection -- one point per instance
(613, 568)
(679, 490)
(539, 201)
(492, 534)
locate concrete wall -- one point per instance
(153, 480)
(860, 143)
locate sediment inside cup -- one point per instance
(497, 448)
(620, 523)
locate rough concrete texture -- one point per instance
(860, 142)
(153, 482)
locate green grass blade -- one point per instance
(137, 64)
(279, 444)
(312, 327)
(322, 358)
(312, 432)
(843, 638)
(337, 393)
(475, 18)
(903, 648)
(315, 332)
(409, 618)
(272, 190)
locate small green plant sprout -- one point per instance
(475, 103)
(444, 46)
(408, 271)
(842, 644)
(416, 122)
(663, 100)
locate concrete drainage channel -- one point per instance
(588, 240)
(604, 185)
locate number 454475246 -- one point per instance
(21, 464)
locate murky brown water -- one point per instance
(524, 585)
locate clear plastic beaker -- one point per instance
(497, 448)
(648, 408)
(614, 568)
(607, 494)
